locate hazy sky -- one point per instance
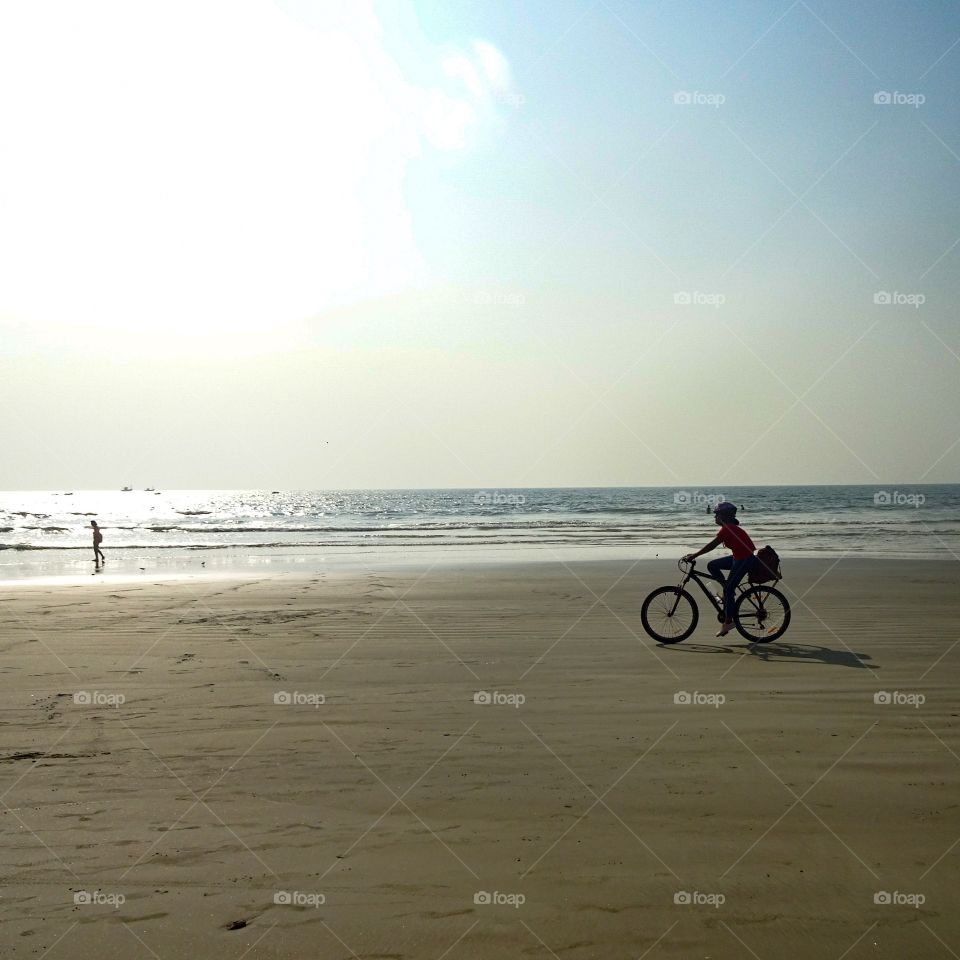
(287, 243)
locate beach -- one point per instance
(478, 760)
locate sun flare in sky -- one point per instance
(217, 168)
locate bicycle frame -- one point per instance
(698, 577)
(760, 613)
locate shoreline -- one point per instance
(43, 534)
(133, 564)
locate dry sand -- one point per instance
(586, 809)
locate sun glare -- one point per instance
(154, 195)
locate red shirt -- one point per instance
(735, 538)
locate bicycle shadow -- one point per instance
(779, 652)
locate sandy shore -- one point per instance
(584, 802)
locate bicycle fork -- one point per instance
(676, 597)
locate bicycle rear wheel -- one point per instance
(669, 615)
(762, 614)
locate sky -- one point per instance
(380, 243)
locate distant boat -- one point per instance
(149, 490)
(126, 489)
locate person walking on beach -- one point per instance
(98, 556)
(734, 538)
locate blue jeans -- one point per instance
(738, 570)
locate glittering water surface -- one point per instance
(921, 521)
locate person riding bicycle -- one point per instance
(734, 538)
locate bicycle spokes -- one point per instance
(669, 615)
(762, 614)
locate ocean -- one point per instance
(44, 531)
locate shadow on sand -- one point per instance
(781, 652)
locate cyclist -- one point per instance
(734, 538)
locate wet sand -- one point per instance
(296, 765)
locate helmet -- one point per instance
(726, 509)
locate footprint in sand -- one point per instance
(272, 674)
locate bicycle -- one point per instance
(761, 613)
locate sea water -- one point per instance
(905, 521)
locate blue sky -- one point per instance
(480, 242)
(699, 186)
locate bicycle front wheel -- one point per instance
(669, 615)
(762, 614)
